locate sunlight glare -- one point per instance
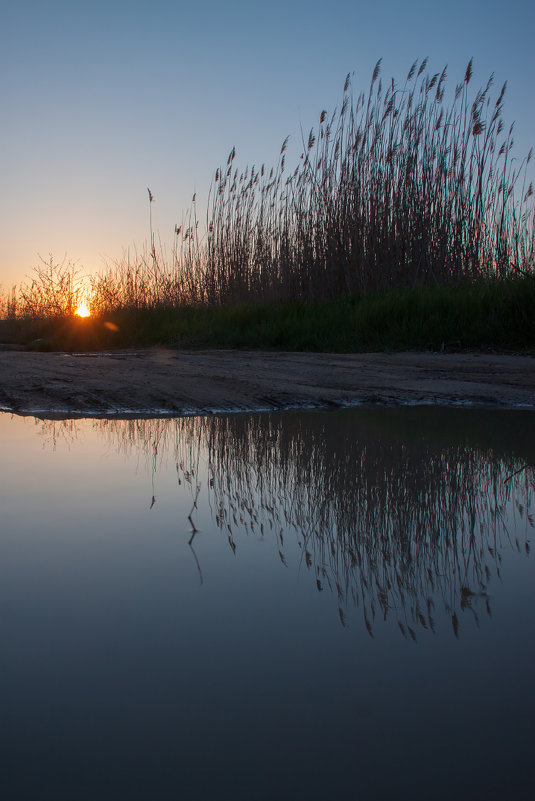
(82, 310)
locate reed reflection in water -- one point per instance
(400, 514)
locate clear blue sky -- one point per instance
(101, 100)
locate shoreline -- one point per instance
(132, 414)
(168, 383)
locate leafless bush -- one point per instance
(55, 291)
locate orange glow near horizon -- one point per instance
(82, 310)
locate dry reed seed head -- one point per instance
(423, 65)
(323, 115)
(284, 145)
(468, 73)
(502, 93)
(431, 82)
(347, 82)
(376, 71)
(412, 70)
(388, 109)
(151, 196)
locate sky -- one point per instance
(101, 100)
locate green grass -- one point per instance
(496, 315)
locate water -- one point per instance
(287, 606)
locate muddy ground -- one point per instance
(154, 382)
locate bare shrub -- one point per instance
(55, 290)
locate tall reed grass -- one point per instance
(403, 185)
(400, 186)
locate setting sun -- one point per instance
(82, 310)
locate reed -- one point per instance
(400, 187)
(403, 186)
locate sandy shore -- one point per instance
(154, 382)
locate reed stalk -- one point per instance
(404, 185)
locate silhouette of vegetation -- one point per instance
(405, 188)
(485, 315)
(396, 516)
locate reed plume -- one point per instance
(404, 185)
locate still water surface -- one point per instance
(288, 606)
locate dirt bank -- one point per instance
(152, 382)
